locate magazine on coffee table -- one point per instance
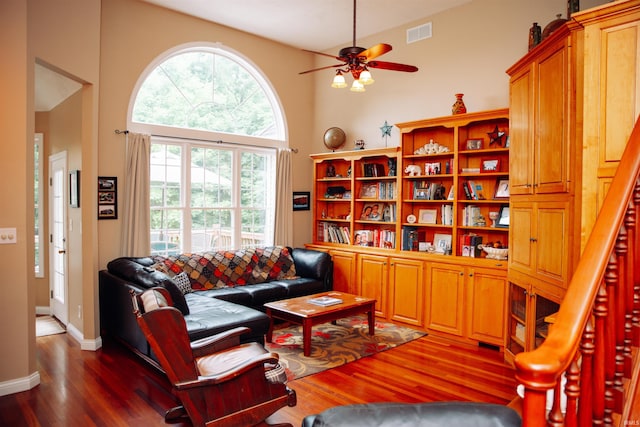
(324, 301)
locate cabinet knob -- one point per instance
(533, 239)
(470, 274)
(461, 273)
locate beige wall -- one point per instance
(111, 42)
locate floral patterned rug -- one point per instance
(335, 345)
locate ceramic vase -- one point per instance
(458, 106)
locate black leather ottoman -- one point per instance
(449, 414)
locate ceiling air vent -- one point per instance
(418, 33)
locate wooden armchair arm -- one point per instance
(218, 342)
(231, 374)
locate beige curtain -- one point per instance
(283, 233)
(135, 203)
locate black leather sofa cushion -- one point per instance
(416, 415)
(300, 286)
(140, 272)
(210, 316)
(309, 265)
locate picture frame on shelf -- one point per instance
(427, 216)
(474, 144)
(503, 217)
(372, 212)
(489, 165)
(502, 189)
(442, 243)
(369, 191)
(301, 200)
(433, 168)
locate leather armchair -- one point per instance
(416, 415)
(219, 381)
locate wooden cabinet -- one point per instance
(531, 312)
(542, 94)
(406, 291)
(462, 301)
(344, 271)
(372, 280)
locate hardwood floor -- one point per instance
(111, 387)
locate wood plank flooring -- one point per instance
(111, 387)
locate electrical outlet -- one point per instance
(80, 312)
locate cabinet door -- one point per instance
(521, 133)
(344, 271)
(553, 241)
(486, 301)
(445, 298)
(406, 291)
(551, 120)
(372, 280)
(521, 222)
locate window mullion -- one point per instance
(236, 211)
(186, 196)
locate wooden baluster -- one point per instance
(621, 250)
(609, 335)
(555, 418)
(630, 223)
(600, 313)
(572, 391)
(635, 317)
(587, 349)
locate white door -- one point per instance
(58, 283)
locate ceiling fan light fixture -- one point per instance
(357, 86)
(365, 77)
(339, 81)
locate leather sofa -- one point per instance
(207, 310)
(416, 415)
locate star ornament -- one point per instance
(386, 129)
(495, 137)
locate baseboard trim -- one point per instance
(89, 345)
(19, 384)
(43, 310)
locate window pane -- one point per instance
(211, 230)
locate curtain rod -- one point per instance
(219, 141)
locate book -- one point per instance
(324, 301)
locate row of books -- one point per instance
(375, 238)
(427, 190)
(472, 217)
(332, 233)
(469, 244)
(446, 214)
(473, 190)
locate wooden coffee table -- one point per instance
(300, 311)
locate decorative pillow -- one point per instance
(183, 283)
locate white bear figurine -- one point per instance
(412, 170)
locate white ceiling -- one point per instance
(310, 24)
(52, 88)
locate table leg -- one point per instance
(306, 337)
(269, 336)
(372, 320)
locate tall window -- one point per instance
(213, 168)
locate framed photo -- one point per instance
(502, 189)
(490, 165)
(369, 191)
(474, 144)
(107, 197)
(74, 189)
(503, 217)
(432, 168)
(372, 212)
(427, 216)
(301, 200)
(442, 243)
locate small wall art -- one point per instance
(107, 197)
(301, 200)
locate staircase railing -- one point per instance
(590, 355)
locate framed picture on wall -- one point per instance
(107, 197)
(301, 200)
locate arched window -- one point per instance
(216, 123)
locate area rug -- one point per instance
(47, 325)
(335, 345)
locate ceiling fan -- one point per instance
(357, 61)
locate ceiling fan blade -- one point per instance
(392, 66)
(321, 68)
(375, 51)
(321, 53)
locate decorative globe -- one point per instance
(334, 138)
